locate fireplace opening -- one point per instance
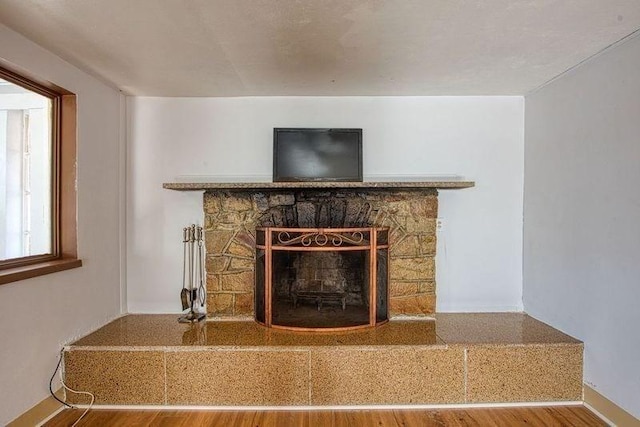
(320, 279)
(320, 289)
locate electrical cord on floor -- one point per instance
(93, 398)
(51, 382)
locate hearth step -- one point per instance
(456, 358)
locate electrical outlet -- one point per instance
(439, 224)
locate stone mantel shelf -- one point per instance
(195, 186)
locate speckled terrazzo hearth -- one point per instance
(457, 358)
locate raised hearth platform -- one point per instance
(457, 358)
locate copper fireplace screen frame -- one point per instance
(367, 239)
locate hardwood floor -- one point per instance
(560, 416)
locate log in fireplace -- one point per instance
(322, 278)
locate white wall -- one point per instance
(582, 215)
(40, 315)
(480, 247)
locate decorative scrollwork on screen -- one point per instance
(321, 239)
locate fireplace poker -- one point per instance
(201, 291)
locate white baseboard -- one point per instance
(607, 410)
(39, 413)
(336, 407)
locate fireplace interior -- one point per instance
(320, 289)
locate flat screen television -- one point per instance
(302, 154)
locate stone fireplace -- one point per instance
(232, 213)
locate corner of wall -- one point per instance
(122, 199)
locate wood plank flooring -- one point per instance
(560, 416)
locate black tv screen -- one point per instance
(317, 154)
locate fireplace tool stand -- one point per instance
(192, 293)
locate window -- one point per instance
(25, 172)
(37, 177)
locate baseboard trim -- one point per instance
(600, 405)
(607, 410)
(335, 407)
(40, 412)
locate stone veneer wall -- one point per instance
(231, 218)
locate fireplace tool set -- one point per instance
(193, 293)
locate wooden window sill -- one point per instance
(39, 269)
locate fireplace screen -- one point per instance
(321, 278)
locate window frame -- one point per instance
(64, 253)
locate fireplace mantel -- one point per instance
(261, 186)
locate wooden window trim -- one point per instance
(64, 246)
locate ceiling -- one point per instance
(323, 47)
